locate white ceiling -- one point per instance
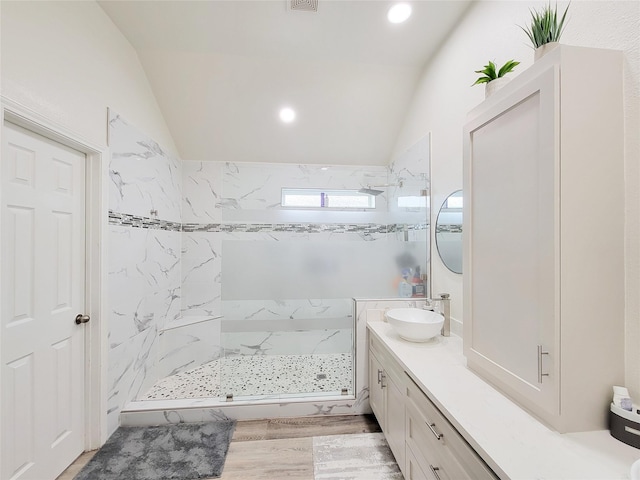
(221, 70)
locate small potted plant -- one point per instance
(494, 78)
(545, 29)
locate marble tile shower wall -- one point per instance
(364, 310)
(241, 202)
(165, 248)
(217, 191)
(145, 202)
(225, 201)
(413, 168)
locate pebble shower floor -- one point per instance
(255, 375)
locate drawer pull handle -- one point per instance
(433, 430)
(435, 471)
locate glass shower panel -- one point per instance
(268, 289)
(287, 348)
(409, 205)
(317, 269)
(288, 327)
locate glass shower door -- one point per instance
(287, 348)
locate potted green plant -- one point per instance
(545, 29)
(494, 78)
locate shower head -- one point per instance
(370, 191)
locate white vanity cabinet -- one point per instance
(423, 441)
(386, 398)
(543, 234)
(434, 445)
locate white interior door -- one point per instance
(43, 275)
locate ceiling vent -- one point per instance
(303, 5)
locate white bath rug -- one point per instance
(363, 456)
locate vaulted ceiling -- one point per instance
(221, 70)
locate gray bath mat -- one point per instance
(184, 451)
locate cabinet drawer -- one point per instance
(421, 433)
(419, 467)
(431, 435)
(391, 366)
(428, 451)
(414, 470)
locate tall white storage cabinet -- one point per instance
(543, 228)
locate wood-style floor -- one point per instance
(273, 448)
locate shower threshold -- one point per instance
(189, 403)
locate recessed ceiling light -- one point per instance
(287, 114)
(399, 12)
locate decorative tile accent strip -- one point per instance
(127, 220)
(365, 228)
(449, 229)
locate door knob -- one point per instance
(82, 319)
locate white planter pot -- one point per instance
(542, 50)
(495, 85)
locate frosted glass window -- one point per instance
(326, 198)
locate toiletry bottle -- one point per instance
(417, 285)
(404, 288)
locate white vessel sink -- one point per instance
(415, 324)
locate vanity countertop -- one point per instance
(511, 441)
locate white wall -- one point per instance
(490, 31)
(69, 62)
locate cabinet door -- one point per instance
(394, 432)
(376, 399)
(512, 241)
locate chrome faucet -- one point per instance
(445, 310)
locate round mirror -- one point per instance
(449, 232)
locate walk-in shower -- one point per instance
(267, 290)
(260, 350)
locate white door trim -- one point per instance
(96, 285)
